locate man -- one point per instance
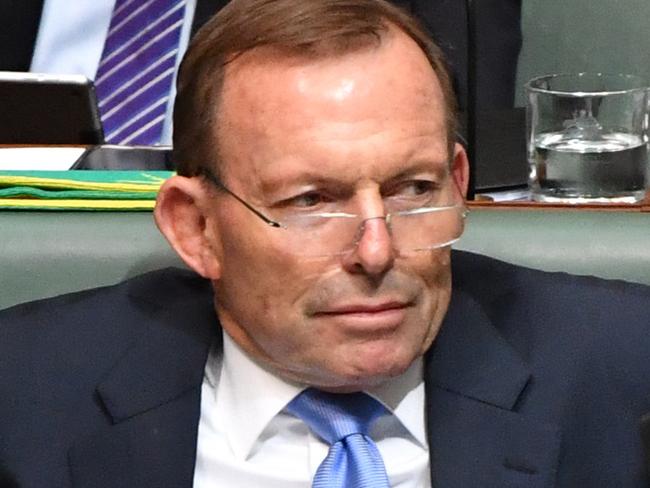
(319, 189)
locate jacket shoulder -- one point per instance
(588, 327)
(91, 327)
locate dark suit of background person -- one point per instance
(535, 380)
(498, 40)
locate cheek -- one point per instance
(260, 282)
(435, 272)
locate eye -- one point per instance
(422, 187)
(409, 194)
(307, 200)
(416, 189)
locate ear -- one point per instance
(460, 169)
(182, 215)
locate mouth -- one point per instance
(367, 317)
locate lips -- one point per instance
(367, 317)
(363, 308)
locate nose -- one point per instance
(373, 254)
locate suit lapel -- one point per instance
(475, 382)
(152, 400)
(156, 448)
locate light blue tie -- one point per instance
(343, 421)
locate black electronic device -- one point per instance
(48, 109)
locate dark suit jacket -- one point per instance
(536, 380)
(498, 39)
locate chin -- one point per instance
(350, 384)
(369, 371)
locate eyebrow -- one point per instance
(439, 168)
(313, 177)
(273, 185)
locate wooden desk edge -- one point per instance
(643, 206)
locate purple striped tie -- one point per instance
(136, 70)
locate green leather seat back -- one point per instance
(612, 245)
(43, 254)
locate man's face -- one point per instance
(296, 133)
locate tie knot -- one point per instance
(334, 416)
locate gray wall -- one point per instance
(584, 35)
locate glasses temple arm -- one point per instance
(215, 181)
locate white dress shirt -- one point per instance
(246, 439)
(71, 38)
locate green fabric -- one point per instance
(80, 189)
(33, 192)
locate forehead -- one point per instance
(274, 105)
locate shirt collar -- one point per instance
(404, 396)
(248, 397)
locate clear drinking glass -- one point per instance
(587, 138)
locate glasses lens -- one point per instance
(411, 231)
(427, 228)
(322, 235)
